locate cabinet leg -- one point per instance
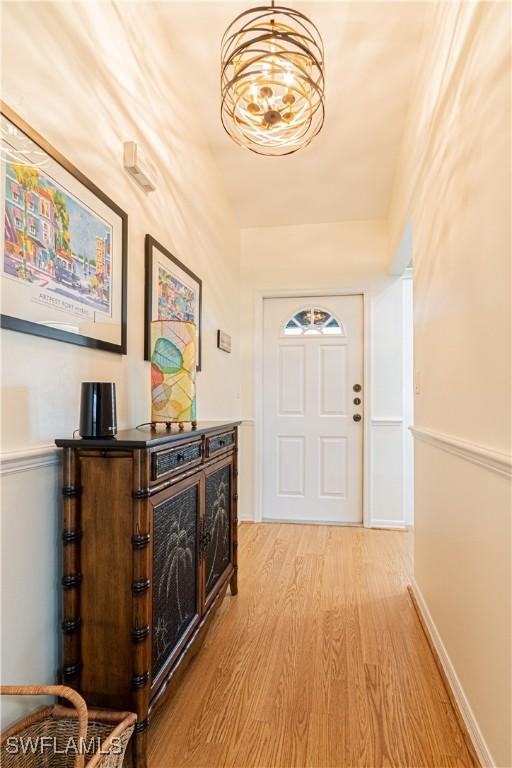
(139, 744)
(233, 583)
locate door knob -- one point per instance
(356, 417)
(356, 387)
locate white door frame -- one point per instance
(260, 296)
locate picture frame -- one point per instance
(64, 246)
(172, 292)
(224, 341)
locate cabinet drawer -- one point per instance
(175, 459)
(218, 443)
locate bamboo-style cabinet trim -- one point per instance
(149, 540)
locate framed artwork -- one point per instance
(224, 341)
(64, 251)
(173, 292)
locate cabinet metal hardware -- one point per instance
(70, 671)
(140, 540)
(140, 586)
(139, 681)
(70, 536)
(140, 633)
(71, 625)
(141, 725)
(71, 490)
(70, 580)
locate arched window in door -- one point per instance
(313, 321)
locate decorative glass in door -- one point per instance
(217, 525)
(174, 572)
(313, 322)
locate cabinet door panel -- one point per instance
(175, 572)
(217, 533)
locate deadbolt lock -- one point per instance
(356, 387)
(357, 401)
(356, 417)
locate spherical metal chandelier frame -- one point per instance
(272, 80)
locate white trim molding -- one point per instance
(383, 422)
(451, 679)
(389, 525)
(25, 459)
(496, 461)
(297, 521)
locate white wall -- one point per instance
(408, 389)
(454, 180)
(87, 78)
(349, 255)
(386, 465)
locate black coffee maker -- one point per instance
(98, 416)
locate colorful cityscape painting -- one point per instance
(176, 301)
(55, 242)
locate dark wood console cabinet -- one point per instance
(149, 547)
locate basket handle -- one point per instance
(64, 693)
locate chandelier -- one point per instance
(272, 80)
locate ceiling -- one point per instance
(371, 53)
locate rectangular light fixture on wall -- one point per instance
(137, 166)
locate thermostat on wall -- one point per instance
(224, 341)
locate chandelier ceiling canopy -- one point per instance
(272, 80)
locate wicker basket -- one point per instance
(61, 737)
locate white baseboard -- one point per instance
(309, 522)
(393, 525)
(474, 733)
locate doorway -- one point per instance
(313, 392)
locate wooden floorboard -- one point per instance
(319, 662)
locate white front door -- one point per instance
(312, 382)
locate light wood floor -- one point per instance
(320, 661)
